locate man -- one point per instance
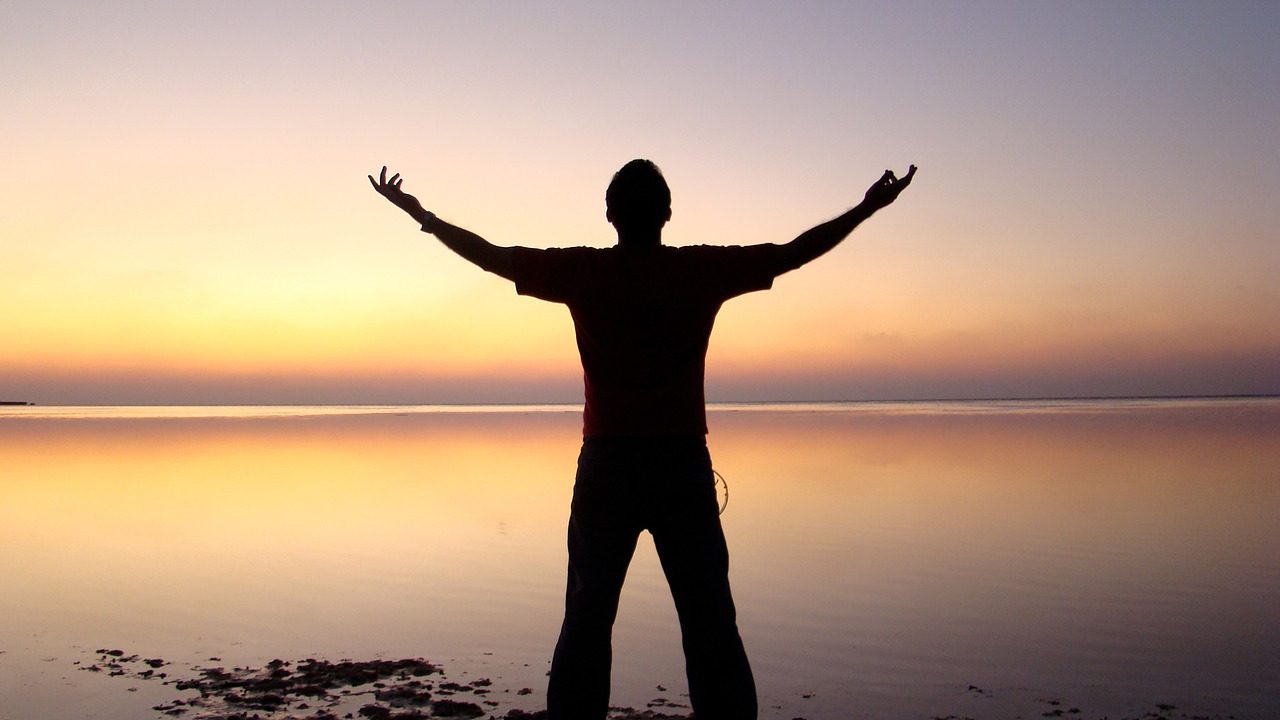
(643, 313)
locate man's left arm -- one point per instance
(816, 241)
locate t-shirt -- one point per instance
(642, 317)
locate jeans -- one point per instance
(665, 486)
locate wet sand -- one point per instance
(415, 688)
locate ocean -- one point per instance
(980, 559)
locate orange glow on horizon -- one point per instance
(164, 214)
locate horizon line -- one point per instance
(578, 403)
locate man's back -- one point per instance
(643, 317)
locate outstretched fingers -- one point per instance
(888, 186)
(898, 183)
(385, 185)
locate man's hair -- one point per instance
(638, 196)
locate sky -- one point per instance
(185, 219)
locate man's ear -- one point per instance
(608, 215)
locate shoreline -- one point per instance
(419, 689)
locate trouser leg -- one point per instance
(600, 548)
(695, 560)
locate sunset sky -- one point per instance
(185, 216)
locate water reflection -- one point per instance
(1134, 551)
(206, 522)
(882, 561)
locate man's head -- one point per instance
(638, 201)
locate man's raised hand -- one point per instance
(390, 189)
(886, 189)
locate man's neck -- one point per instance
(640, 239)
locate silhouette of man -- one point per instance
(642, 312)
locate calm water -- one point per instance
(886, 557)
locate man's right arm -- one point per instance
(473, 248)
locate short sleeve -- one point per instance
(552, 274)
(738, 269)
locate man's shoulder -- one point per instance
(702, 249)
(732, 254)
(554, 256)
(571, 250)
(707, 249)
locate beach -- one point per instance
(893, 560)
